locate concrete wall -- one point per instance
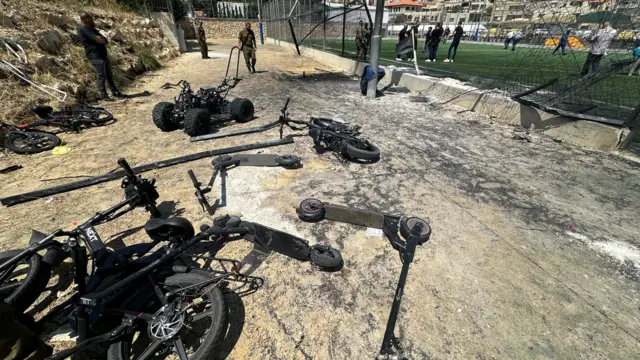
(500, 108)
(218, 28)
(166, 24)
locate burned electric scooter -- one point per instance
(224, 163)
(264, 239)
(414, 232)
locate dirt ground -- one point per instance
(504, 276)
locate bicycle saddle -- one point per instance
(171, 229)
(42, 110)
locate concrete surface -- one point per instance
(535, 247)
(577, 132)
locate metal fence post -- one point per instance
(324, 24)
(344, 21)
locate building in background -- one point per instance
(405, 11)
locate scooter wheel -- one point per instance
(407, 223)
(311, 210)
(289, 161)
(326, 258)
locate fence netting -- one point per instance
(508, 47)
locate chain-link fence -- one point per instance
(508, 46)
(315, 23)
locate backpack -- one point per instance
(636, 51)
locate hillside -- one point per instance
(46, 32)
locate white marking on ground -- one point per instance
(619, 250)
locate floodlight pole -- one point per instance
(376, 42)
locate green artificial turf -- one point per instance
(491, 66)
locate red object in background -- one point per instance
(75, 223)
(572, 228)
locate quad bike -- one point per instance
(26, 140)
(199, 112)
(327, 134)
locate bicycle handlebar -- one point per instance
(286, 105)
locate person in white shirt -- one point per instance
(600, 42)
(508, 39)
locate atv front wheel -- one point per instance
(241, 110)
(163, 116)
(197, 122)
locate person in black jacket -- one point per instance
(436, 35)
(95, 48)
(401, 36)
(426, 49)
(457, 35)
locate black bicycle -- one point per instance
(24, 274)
(150, 304)
(25, 140)
(70, 118)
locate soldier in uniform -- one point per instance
(247, 44)
(367, 39)
(202, 40)
(360, 39)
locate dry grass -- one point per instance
(72, 67)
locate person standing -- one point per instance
(600, 42)
(457, 36)
(507, 41)
(360, 40)
(367, 39)
(202, 40)
(447, 31)
(413, 33)
(248, 46)
(402, 35)
(516, 39)
(436, 35)
(95, 48)
(426, 49)
(563, 43)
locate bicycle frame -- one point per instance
(85, 231)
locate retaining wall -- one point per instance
(501, 108)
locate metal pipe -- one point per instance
(38, 194)
(376, 42)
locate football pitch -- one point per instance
(480, 62)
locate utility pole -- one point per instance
(376, 42)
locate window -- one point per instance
(451, 19)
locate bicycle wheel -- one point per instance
(26, 282)
(193, 331)
(92, 117)
(31, 142)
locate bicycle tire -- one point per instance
(355, 150)
(47, 142)
(32, 286)
(121, 350)
(94, 118)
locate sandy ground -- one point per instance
(503, 276)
